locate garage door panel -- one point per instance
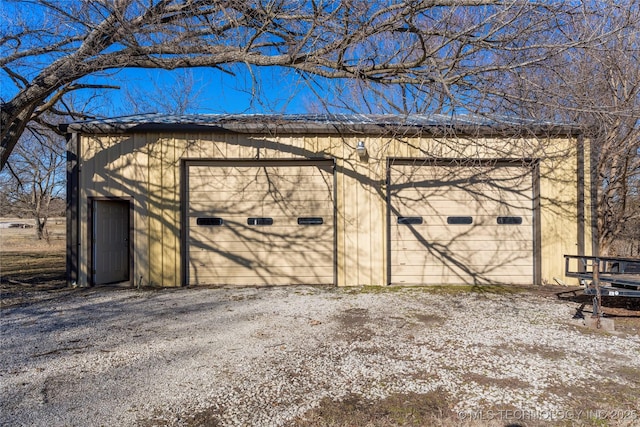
(304, 193)
(262, 173)
(432, 248)
(222, 273)
(454, 194)
(231, 183)
(417, 241)
(239, 223)
(447, 220)
(460, 221)
(235, 245)
(480, 271)
(222, 191)
(443, 251)
(457, 249)
(448, 278)
(442, 224)
(457, 195)
(282, 213)
(456, 171)
(284, 233)
(227, 249)
(427, 204)
(229, 243)
(295, 208)
(232, 213)
(434, 258)
(264, 258)
(254, 182)
(469, 207)
(300, 200)
(460, 182)
(270, 279)
(295, 236)
(213, 208)
(448, 233)
(257, 251)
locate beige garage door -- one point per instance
(461, 224)
(263, 223)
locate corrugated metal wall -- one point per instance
(147, 168)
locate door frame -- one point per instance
(186, 163)
(90, 234)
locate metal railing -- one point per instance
(616, 272)
(608, 276)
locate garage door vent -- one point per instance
(260, 221)
(314, 220)
(459, 220)
(510, 220)
(410, 220)
(209, 221)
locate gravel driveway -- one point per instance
(275, 356)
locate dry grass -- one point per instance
(25, 240)
(435, 409)
(410, 409)
(31, 269)
(29, 277)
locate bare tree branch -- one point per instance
(402, 43)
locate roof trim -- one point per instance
(331, 124)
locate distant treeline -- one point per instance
(57, 208)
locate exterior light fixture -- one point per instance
(361, 150)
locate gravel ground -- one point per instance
(268, 356)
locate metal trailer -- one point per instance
(608, 276)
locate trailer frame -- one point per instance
(605, 276)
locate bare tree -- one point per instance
(35, 177)
(180, 95)
(596, 86)
(440, 49)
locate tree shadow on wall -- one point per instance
(125, 165)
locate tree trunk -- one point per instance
(41, 229)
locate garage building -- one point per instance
(325, 200)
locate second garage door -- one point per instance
(260, 223)
(461, 223)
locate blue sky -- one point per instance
(213, 91)
(277, 89)
(274, 89)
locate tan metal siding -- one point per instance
(558, 207)
(146, 167)
(361, 214)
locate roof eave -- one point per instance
(273, 128)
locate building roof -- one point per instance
(322, 124)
